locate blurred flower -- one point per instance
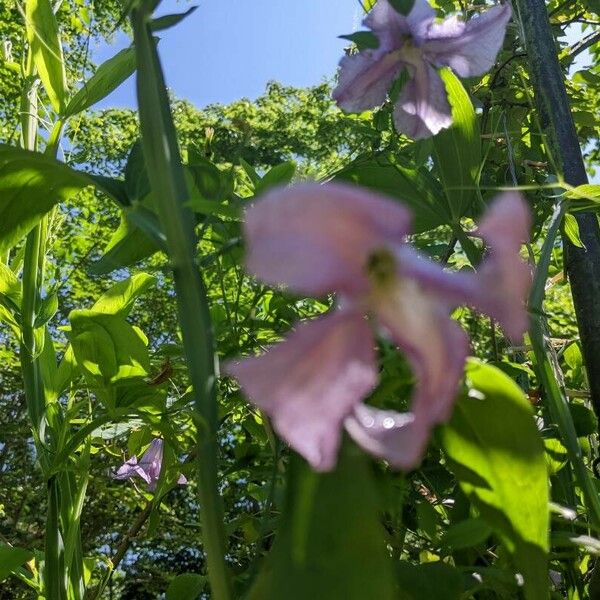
(148, 467)
(338, 238)
(420, 45)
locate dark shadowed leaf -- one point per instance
(30, 185)
(330, 541)
(428, 581)
(188, 586)
(11, 559)
(413, 187)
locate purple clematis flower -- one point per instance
(148, 467)
(420, 45)
(339, 238)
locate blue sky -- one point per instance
(230, 49)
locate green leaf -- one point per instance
(402, 6)
(465, 534)
(250, 171)
(330, 542)
(414, 187)
(46, 48)
(188, 586)
(457, 150)
(428, 581)
(584, 197)
(494, 448)
(362, 39)
(167, 21)
(119, 299)
(571, 229)
(107, 348)
(11, 559)
(137, 184)
(47, 309)
(10, 289)
(280, 174)
(584, 419)
(130, 243)
(109, 75)
(30, 185)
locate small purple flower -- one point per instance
(343, 239)
(148, 467)
(420, 45)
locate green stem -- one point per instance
(555, 397)
(582, 264)
(168, 183)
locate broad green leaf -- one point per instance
(465, 534)
(584, 197)
(280, 174)
(330, 541)
(428, 581)
(12, 558)
(457, 150)
(119, 299)
(30, 185)
(414, 187)
(109, 75)
(188, 586)
(495, 449)
(107, 348)
(46, 48)
(571, 229)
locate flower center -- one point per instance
(381, 267)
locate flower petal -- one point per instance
(388, 434)
(470, 48)
(365, 78)
(387, 23)
(131, 468)
(436, 348)
(419, 20)
(317, 238)
(501, 284)
(504, 278)
(151, 460)
(422, 109)
(309, 383)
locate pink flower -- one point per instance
(420, 45)
(149, 466)
(338, 238)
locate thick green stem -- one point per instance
(583, 264)
(168, 183)
(547, 370)
(55, 580)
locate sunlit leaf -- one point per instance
(109, 75)
(457, 150)
(496, 451)
(46, 47)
